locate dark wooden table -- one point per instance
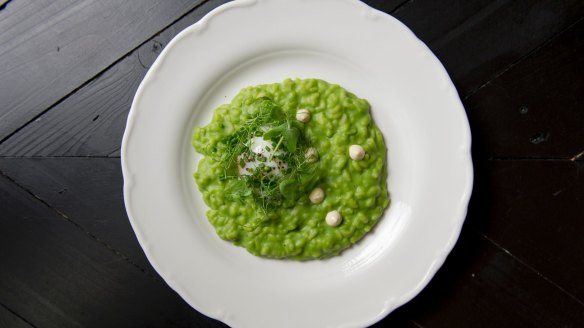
(69, 70)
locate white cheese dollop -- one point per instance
(333, 218)
(316, 196)
(356, 152)
(303, 115)
(311, 155)
(263, 148)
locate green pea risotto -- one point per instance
(293, 170)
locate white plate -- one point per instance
(249, 42)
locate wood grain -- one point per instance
(56, 275)
(9, 319)
(91, 122)
(88, 191)
(477, 41)
(533, 210)
(430, 20)
(49, 48)
(535, 109)
(481, 285)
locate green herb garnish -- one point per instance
(269, 183)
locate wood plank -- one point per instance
(9, 319)
(535, 108)
(478, 40)
(481, 285)
(533, 209)
(430, 20)
(56, 275)
(49, 48)
(88, 191)
(91, 122)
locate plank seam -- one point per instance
(100, 73)
(576, 158)
(475, 17)
(17, 315)
(521, 59)
(113, 152)
(400, 6)
(532, 269)
(80, 227)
